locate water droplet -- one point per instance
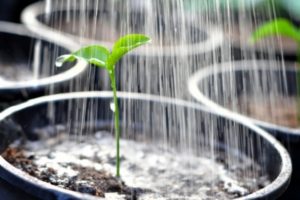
(60, 60)
(112, 106)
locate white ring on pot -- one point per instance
(227, 67)
(20, 30)
(214, 36)
(283, 176)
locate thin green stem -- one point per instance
(117, 122)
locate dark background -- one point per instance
(10, 10)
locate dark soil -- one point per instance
(279, 110)
(89, 180)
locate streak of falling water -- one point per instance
(37, 59)
(48, 9)
(68, 18)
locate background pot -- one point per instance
(221, 9)
(237, 37)
(241, 18)
(222, 87)
(152, 119)
(21, 52)
(178, 41)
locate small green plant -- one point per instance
(284, 28)
(276, 27)
(102, 57)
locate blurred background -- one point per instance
(10, 10)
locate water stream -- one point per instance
(187, 36)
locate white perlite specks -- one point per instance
(167, 174)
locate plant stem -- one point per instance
(117, 127)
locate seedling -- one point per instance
(276, 27)
(102, 57)
(284, 28)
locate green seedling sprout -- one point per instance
(277, 27)
(102, 57)
(282, 27)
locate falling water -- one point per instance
(166, 23)
(263, 90)
(48, 8)
(185, 39)
(36, 59)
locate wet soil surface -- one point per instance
(88, 180)
(149, 172)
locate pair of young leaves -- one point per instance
(101, 56)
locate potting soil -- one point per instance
(147, 171)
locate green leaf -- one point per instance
(126, 44)
(279, 26)
(64, 58)
(93, 54)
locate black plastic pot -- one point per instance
(10, 192)
(220, 87)
(177, 40)
(22, 50)
(144, 118)
(216, 86)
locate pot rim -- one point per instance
(214, 35)
(230, 67)
(281, 181)
(75, 70)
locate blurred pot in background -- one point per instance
(10, 9)
(27, 67)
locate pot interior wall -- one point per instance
(263, 91)
(19, 51)
(108, 21)
(247, 82)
